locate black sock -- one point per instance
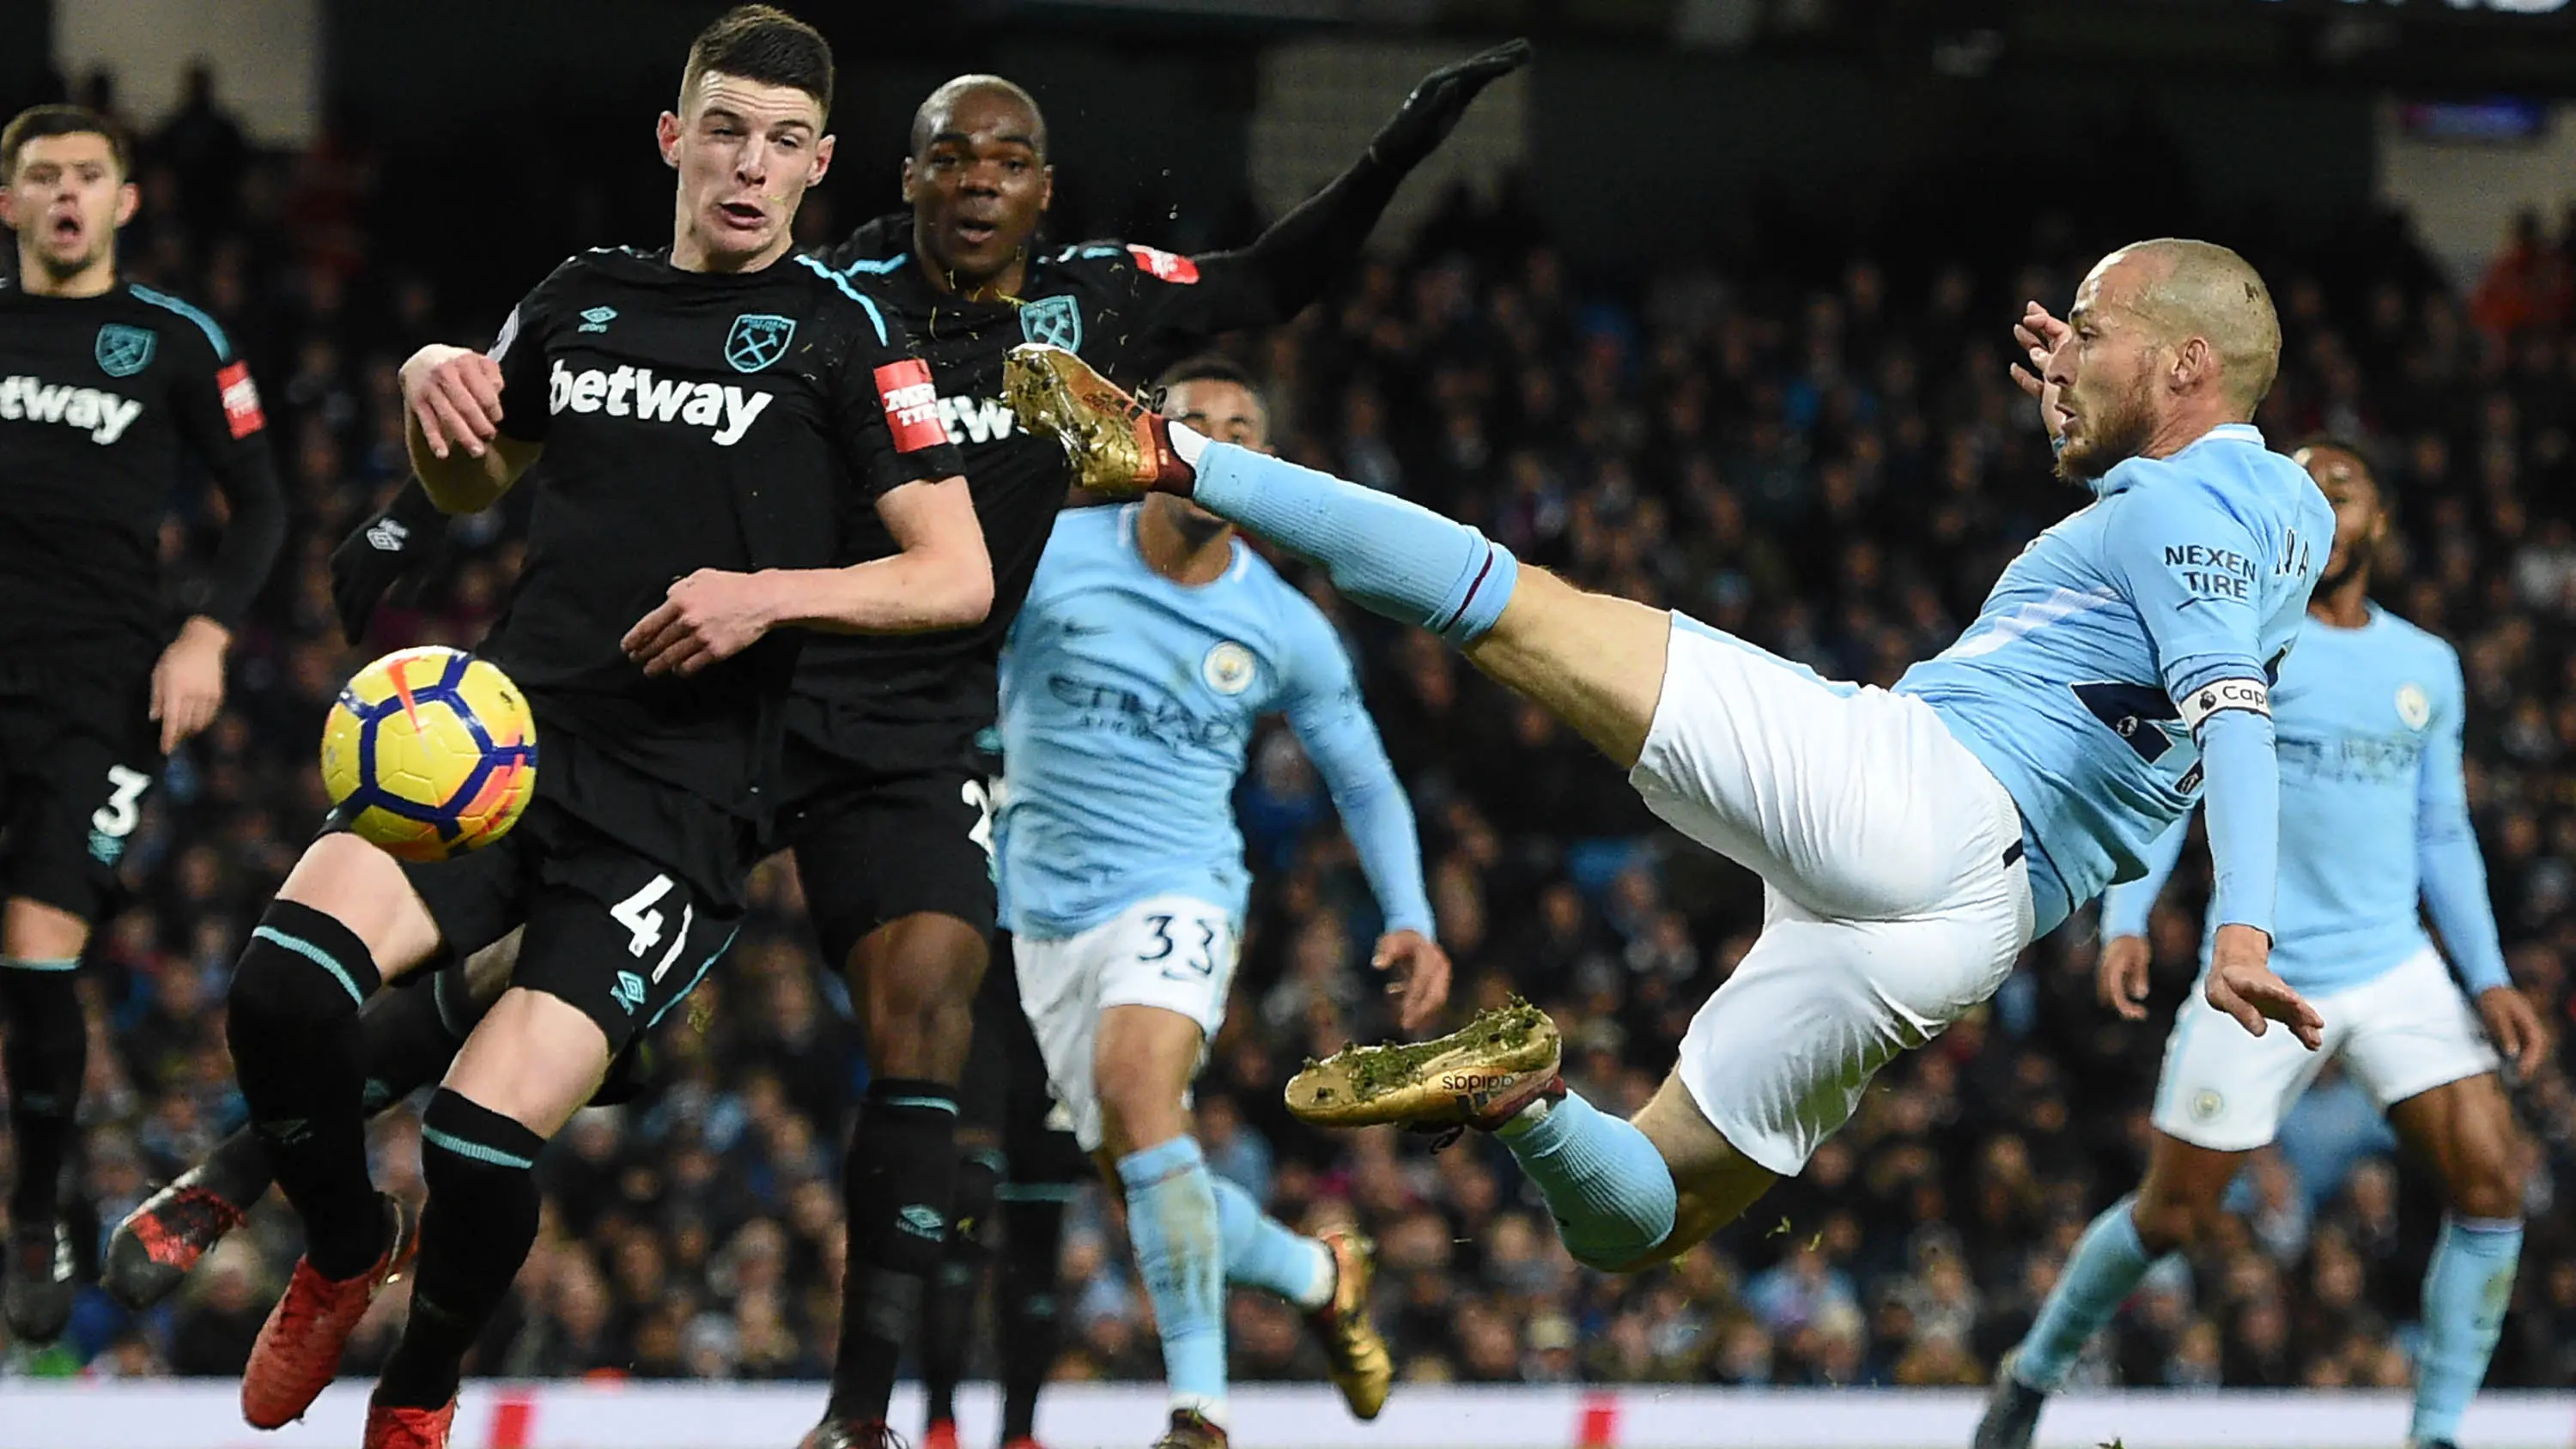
(1025, 1314)
(292, 1021)
(948, 1316)
(898, 1180)
(474, 1237)
(412, 1033)
(48, 1050)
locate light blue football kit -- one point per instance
(2374, 820)
(1912, 843)
(1128, 702)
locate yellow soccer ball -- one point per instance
(430, 753)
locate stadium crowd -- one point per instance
(1831, 464)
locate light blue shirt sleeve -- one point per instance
(2127, 907)
(2194, 571)
(2446, 851)
(1322, 702)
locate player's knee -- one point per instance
(2168, 1223)
(303, 969)
(2489, 1183)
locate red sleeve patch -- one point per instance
(241, 400)
(911, 405)
(1169, 266)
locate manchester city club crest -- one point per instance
(1055, 321)
(1227, 668)
(2414, 706)
(757, 340)
(124, 351)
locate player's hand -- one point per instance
(396, 547)
(2514, 1027)
(1417, 972)
(2121, 978)
(710, 615)
(454, 398)
(188, 682)
(2038, 333)
(1429, 114)
(2243, 984)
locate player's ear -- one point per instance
(1046, 191)
(907, 181)
(128, 197)
(8, 208)
(822, 160)
(666, 137)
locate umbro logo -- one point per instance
(388, 535)
(923, 1221)
(596, 319)
(629, 991)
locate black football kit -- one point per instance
(690, 421)
(102, 399)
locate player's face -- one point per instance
(2105, 371)
(978, 186)
(746, 153)
(66, 199)
(2360, 525)
(1228, 412)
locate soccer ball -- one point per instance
(429, 753)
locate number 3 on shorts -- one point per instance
(974, 793)
(116, 818)
(1199, 962)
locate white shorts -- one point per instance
(1174, 952)
(1896, 896)
(2400, 1034)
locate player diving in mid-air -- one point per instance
(1911, 842)
(2374, 818)
(1151, 642)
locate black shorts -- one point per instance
(77, 758)
(617, 928)
(887, 820)
(1004, 1092)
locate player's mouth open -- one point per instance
(67, 227)
(741, 213)
(976, 232)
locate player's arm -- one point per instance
(218, 413)
(2454, 882)
(453, 414)
(2193, 570)
(1290, 264)
(384, 548)
(1325, 712)
(2120, 977)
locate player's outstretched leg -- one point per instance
(46, 1053)
(1327, 1277)
(1595, 661)
(345, 916)
(2466, 1130)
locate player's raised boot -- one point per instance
(1354, 1355)
(851, 1434)
(1118, 446)
(159, 1243)
(299, 1347)
(37, 1300)
(396, 1428)
(1191, 1430)
(1477, 1076)
(2012, 1411)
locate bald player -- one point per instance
(2374, 821)
(1911, 842)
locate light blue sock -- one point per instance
(1391, 557)
(1264, 1252)
(1608, 1187)
(2099, 1276)
(2465, 1292)
(1180, 1253)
